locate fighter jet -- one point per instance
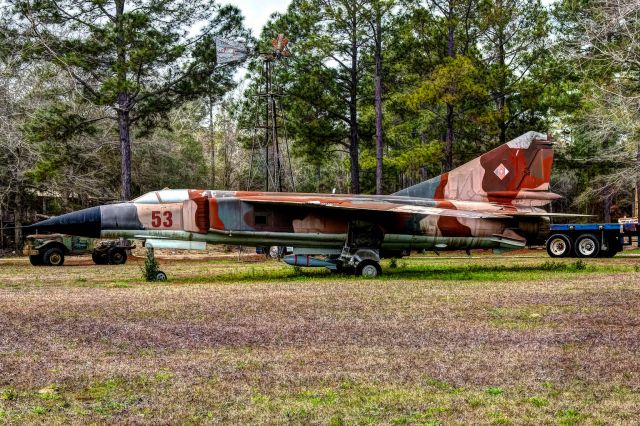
(492, 202)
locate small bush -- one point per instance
(495, 391)
(8, 394)
(39, 410)
(580, 265)
(538, 401)
(150, 269)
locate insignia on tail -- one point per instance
(515, 173)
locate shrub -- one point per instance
(150, 269)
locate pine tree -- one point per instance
(137, 59)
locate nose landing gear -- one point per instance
(151, 271)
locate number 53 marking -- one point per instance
(156, 219)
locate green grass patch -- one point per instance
(436, 270)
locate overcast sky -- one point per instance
(256, 12)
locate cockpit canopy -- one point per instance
(167, 196)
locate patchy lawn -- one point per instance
(437, 340)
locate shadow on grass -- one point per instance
(412, 272)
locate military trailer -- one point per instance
(591, 239)
(51, 249)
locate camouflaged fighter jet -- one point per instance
(491, 202)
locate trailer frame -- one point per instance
(589, 239)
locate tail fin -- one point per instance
(515, 173)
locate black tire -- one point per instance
(161, 276)
(587, 246)
(368, 268)
(117, 256)
(98, 258)
(558, 245)
(35, 259)
(614, 247)
(608, 254)
(53, 257)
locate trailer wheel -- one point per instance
(608, 254)
(613, 247)
(559, 245)
(587, 245)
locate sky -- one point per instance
(256, 12)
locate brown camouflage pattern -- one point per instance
(491, 202)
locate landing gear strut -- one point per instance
(151, 267)
(362, 249)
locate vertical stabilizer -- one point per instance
(517, 173)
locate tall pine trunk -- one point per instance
(125, 146)
(378, 104)
(212, 146)
(353, 112)
(637, 194)
(448, 148)
(17, 220)
(124, 107)
(502, 83)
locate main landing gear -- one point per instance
(361, 262)
(360, 254)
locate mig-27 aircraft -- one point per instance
(491, 202)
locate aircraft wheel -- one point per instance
(161, 276)
(273, 252)
(54, 257)
(587, 245)
(559, 246)
(35, 260)
(369, 269)
(117, 256)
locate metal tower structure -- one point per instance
(270, 147)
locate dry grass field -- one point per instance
(485, 340)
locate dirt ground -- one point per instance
(437, 340)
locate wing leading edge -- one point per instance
(348, 204)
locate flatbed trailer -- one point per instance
(590, 239)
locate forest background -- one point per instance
(103, 100)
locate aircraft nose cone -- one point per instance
(84, 223)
